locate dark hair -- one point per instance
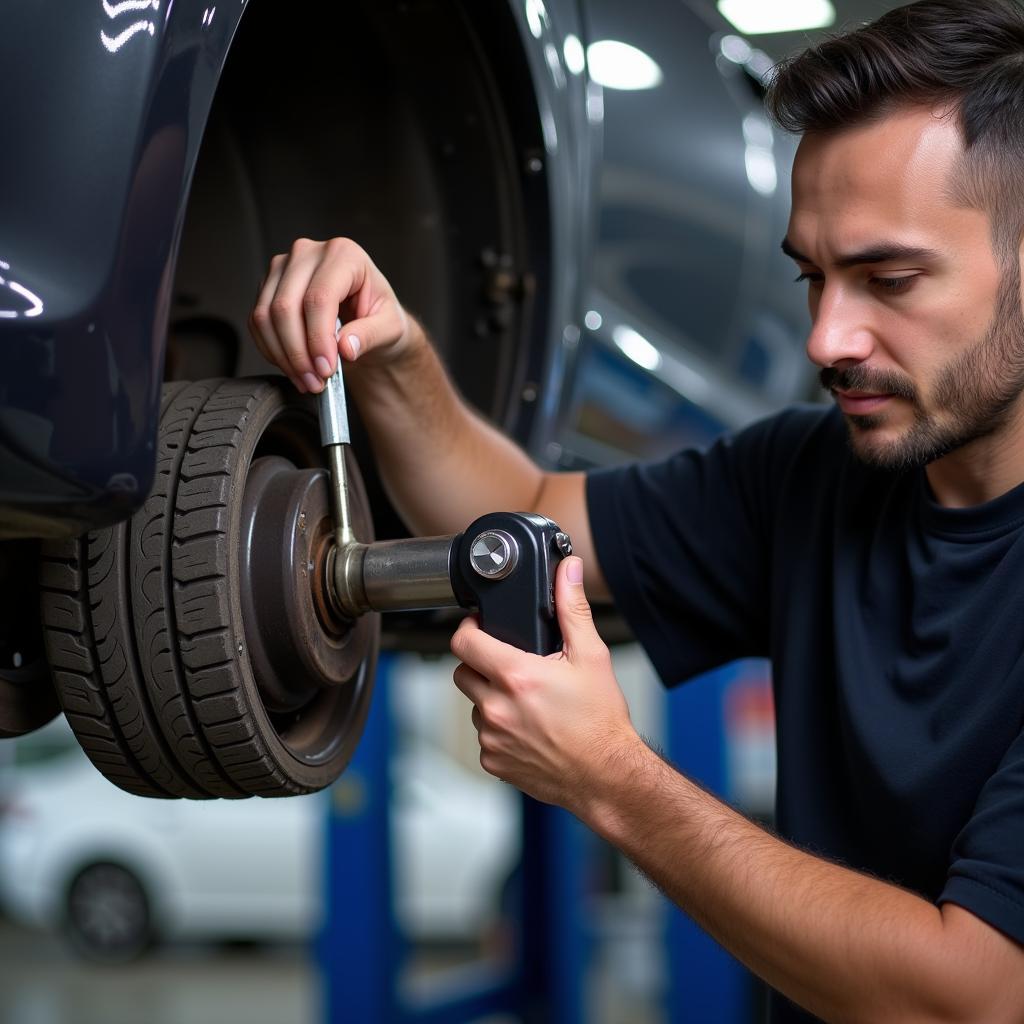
(967, 54)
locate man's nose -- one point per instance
(839, 331)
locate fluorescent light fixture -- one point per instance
(554, 65)
(760, 64)
(618, 65)
(636, 347)
(758, 132)
(756, 17)
(761, 172)
(536, 17)
(735, 49)
(759, 158)
(575, 58)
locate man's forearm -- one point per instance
(441, 463)
(845, 946)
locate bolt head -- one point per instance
(493, 554)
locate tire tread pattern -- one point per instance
(138, 622)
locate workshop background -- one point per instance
(401, 893)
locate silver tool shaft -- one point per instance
(386, 575)
(335, 436)
(334, 411)
(502, 565)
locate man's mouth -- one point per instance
(860, 403)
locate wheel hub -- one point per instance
(297, 643)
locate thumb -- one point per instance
(355, 336)
(375, 331)
(574, 617)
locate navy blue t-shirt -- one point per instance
(896, 636)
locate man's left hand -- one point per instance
(552, 726)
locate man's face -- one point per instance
(919, 336)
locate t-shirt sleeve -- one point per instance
(986, 875)
(685, 545)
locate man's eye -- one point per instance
(893, 284)
(808, 276)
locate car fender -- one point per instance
(91, 206)
(93, 203)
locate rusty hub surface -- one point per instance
(298, 645)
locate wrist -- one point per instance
(411, 345)
(613, 784)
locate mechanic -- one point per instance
(873, 549)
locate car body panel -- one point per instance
(640, 205)
(692, 200)
(109, 117)
(566, 98)
(92, 212)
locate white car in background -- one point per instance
(117, 873)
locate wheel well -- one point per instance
(411, 126)
(405, 124)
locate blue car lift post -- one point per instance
(705, 984)
(361, 952)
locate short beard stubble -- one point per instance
(973, 396)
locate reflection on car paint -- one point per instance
(19, 289)
(112, 11)
(620, 410)
(554, 65)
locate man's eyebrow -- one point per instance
(882, 252)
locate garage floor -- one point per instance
(41, 982)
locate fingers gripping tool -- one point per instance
(503, 564)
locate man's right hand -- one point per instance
(305, 294)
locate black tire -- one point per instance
(144, 621)
(107, 914)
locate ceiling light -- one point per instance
(735, 49)
(637, 347)
(755, 17)
(618, 65)
(575, 58)
(536, 16)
